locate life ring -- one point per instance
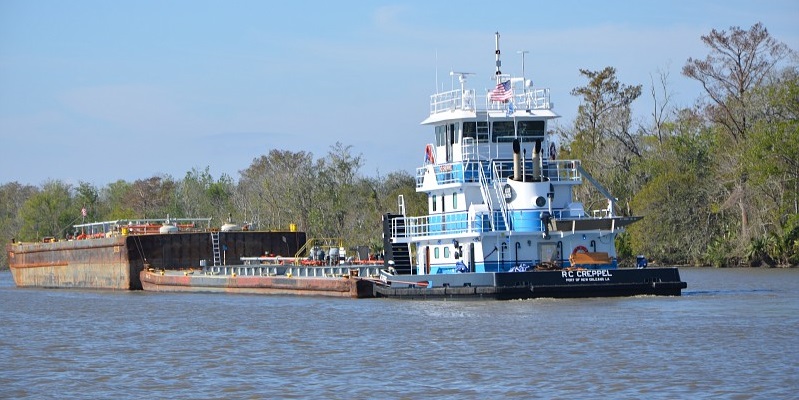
(581, 249)
(429, 155)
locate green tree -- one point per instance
(678, 220)
(603, 137)
(155, 197)
(771, 161)
(392, 186)
(13, 196)
(276, 190)
(49, 213)
(88, 197)
(115, 198)
(199, 196)
(336, 210)
(739, 61)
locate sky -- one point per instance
(101, 91)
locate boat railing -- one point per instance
(451, 173)
(469, 171)
(474, 151)
(524, 98)
(467, 223)
(553, 170)
(141, 226)
(438, 224)
(464, 222)
(529, 99)
(602, 213)
(452, 100)
(256, 268)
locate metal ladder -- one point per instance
(503, 203)
(484, 189)
(493, 191)
(215, 246)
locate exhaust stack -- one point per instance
(537, 162)
(517, 162)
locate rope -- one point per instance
(140, 249)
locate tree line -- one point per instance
(324, 197)
(717, 182)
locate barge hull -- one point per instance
(114, 263)
(539, 284)
(173, 281)
(86, 264)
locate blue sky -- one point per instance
(98, 91)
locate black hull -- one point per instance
(550, 284)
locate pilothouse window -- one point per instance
(529, 131)
(441, 135)
(526, 131)
(476, 130)
(502, 131)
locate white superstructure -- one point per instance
(498, 197)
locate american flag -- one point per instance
(503, 92)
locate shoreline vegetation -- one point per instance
(717, 183)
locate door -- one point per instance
(450, 139)
(426, 259)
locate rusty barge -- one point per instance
(110, 255)
(270, 279)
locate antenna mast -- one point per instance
(499, 63)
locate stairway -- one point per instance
(398, 252)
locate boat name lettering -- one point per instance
(587, 275)
(445, 168)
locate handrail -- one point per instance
(452, 100)
(460, 223)
(503, 204)
(484, 190)
(464, 99)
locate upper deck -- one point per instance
(458, 173)
(467, 103)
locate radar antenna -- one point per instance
(499, 63)
(462, 79)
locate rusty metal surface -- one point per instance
(115, 263)
(96, 264)
(176, 281)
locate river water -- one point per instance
(733, 334)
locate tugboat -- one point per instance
(502, 220)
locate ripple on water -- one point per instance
(732, 334)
